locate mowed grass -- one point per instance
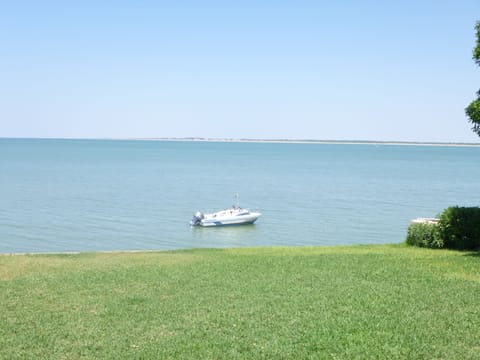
(387, 301)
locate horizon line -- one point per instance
(256, 140)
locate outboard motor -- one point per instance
(197, 219)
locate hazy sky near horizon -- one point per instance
(339, 70)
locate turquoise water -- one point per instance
(95, 195)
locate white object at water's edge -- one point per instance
(425, 221)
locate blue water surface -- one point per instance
(101, 195)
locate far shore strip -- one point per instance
(273, 141)
(308, 141)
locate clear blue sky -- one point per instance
(357, 70)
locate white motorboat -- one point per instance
(233, 216)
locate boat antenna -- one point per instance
(236, 200)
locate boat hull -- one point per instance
(230, 220)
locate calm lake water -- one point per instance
(96, 195)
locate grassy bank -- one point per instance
(339, 302)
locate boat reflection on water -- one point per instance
(224, 236)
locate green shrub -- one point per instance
(424, 235)
(459, 228)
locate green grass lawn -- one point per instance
(387, 301)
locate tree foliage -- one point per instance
(476, 50)
(473, 110)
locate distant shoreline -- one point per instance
(272, 141)
(313, 141)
